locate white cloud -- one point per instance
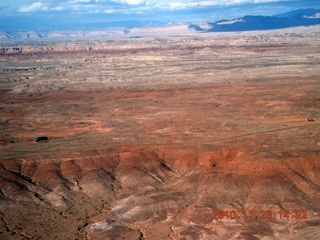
(57, 8)
(80, 1)
(184, 4)
(35, 7)
(109, 11)
(133, 6)
(130, 2)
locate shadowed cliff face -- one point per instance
(189, 140)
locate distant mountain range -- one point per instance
(301, 17)
(297, 18)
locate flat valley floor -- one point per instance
(207, 136)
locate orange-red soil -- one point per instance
(147, 142)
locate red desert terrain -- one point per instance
(205, 136)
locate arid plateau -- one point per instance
(196, 136)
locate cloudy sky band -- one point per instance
(110, 6)
(18, 14)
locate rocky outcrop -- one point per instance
(177, 188)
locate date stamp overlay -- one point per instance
(262, 215)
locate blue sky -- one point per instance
(64, 14)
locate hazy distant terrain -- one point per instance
(302, 17)
(297, 18)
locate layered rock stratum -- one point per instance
(149, 137)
